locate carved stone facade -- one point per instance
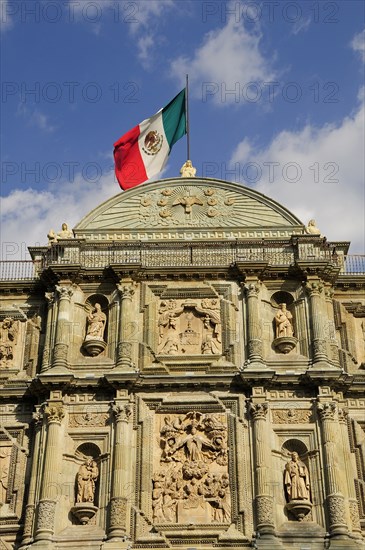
(186, 369)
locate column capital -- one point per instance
(258, 411)
(64, 292)
(343, 415)
(122, 411)
(126, 290)
(329, 292)
(38, 417)
(50, 298)
(327, 411)
(252, 288)
(314, 287)
(54, 412)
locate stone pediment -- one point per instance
(188, 208)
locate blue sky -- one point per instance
(276, 103)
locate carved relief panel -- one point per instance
(189, 324)
(190, 327)
(190, 482)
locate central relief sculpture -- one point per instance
(192, 483)
(190, 327)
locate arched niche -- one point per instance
(296, 479)
(87, 480)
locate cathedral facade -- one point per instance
(185, 369)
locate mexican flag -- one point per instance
(143, 151)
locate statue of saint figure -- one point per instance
(96, 321)
(283, 322)
(86, 478)
(65, 232)
(296, 479)
(188, 170)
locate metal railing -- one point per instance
(353, 264)
(19, 270)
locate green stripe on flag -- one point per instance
(174, 118)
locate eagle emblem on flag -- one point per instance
(152, 142)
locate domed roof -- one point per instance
(188, 208)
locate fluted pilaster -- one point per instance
(47, 505)
(124, 350)
(121, 470)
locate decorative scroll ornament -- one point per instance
(192, 485)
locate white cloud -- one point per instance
(322, 155)
(35, 118)
(147, 12)
(5, 18)
(358, 44)
(229, 58)
(41, 121)
(28, 215)
(145, 44)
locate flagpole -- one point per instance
(187, 124)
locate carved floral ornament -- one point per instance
(184, 204)
(192, 482)
(190, 327)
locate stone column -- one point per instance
(331, 331)
(46, 359)
(317, 319)
(262, 451)
(34, 478)
(252, 289)
(47, 505)
(124, 349)
(335, 499)
(62, 330)
(120, 487)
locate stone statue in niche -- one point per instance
(297, 487)
(8, 339)
(86, 478)
(296, 479)
(285, 340)
(96, 321)
(192, 485)
(283, 322)
(94, 340)
(189, 327)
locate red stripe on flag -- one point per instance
(129, 166)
